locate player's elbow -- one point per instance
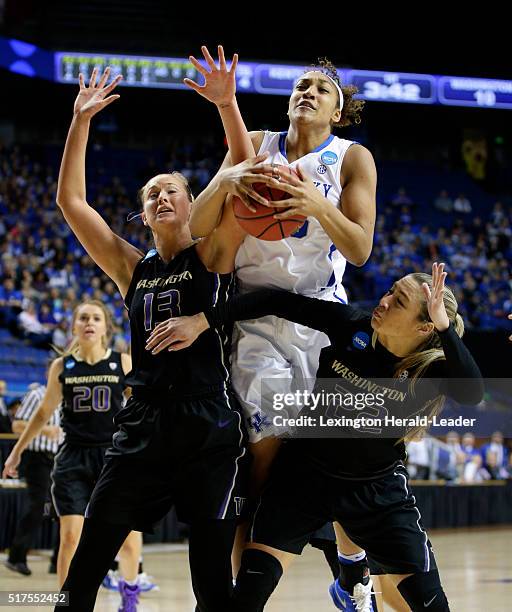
(67, 202)
(360, 256)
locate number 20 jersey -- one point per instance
(91, 397)
(159, 291)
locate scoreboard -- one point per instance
(278, 79)
(263, 78)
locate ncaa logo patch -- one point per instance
(69, 365)
(321, 169)
(329, 158)
(360, 340)
(404, 375)
(112, 365)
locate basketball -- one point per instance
(261, 223)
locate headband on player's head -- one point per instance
(340, 93)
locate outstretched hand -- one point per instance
(435, 302)
(219, 83)
(176, 333)
(93, 98)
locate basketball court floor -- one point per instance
(475, 564)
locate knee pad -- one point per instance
(424, 592)
(258, 577)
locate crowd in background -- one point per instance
(44, 271)
(477, 251)
(459, 460)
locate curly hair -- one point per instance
(351, 108)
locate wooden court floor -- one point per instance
(475, 565)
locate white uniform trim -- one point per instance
(425, 543)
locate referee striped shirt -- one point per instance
(29, 405)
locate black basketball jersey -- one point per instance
(160, 290)
(353, 364)
(92, 396)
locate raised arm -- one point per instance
(461, 376)
(329, 317)
(116, 257)
(50, 403)
(219, 88)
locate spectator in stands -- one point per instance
(418, 457)
(458, 457)
(472, 470)
(443, 202)
(495, 456)
(11, 301)
(461, 204)
(400, 198)
(32, 329)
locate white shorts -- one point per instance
(275, 348)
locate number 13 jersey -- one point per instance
(159, 291)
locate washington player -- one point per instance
(411, 349)
(180, 440)
(336, 192)
(87, 381)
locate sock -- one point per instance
(348, 559)
(131, 583)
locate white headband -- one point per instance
(340, 93)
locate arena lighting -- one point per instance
(252, 77)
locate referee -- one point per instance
(37, 465)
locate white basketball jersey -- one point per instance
(307, 262)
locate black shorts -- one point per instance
(187, 453)
(378, 515)
(75, 473)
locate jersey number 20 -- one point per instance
(97, 398)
